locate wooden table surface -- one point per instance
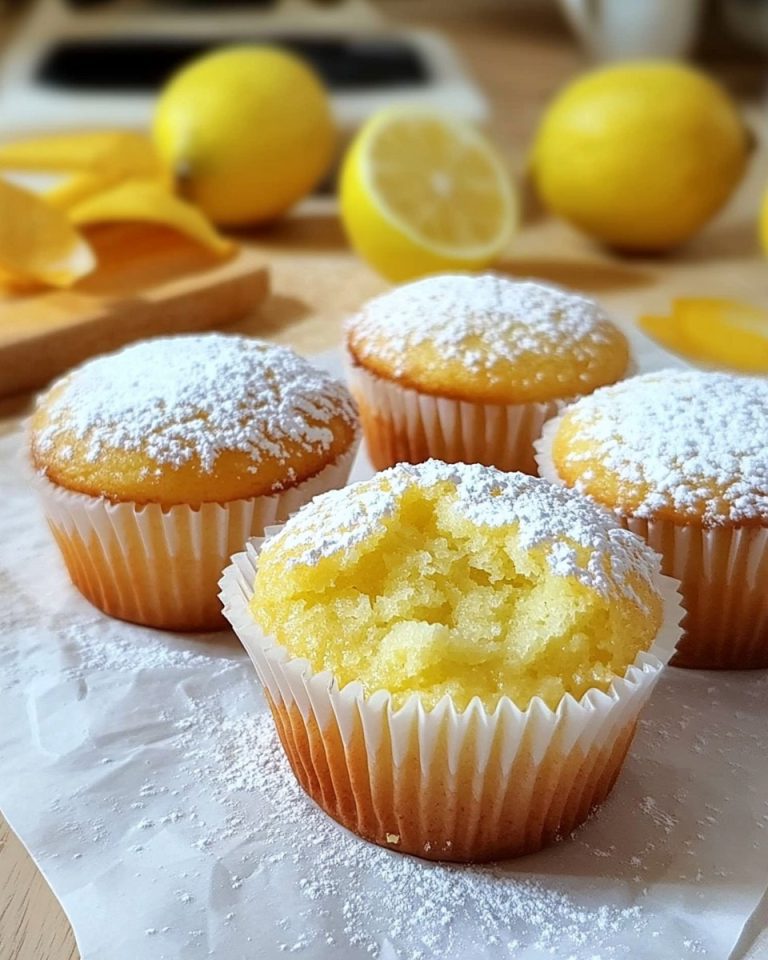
(519, 55)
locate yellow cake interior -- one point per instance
(433, 603)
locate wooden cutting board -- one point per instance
(149, 281)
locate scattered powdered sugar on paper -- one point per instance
(650, 807)
(112, 650)
(512, 319)
(425, 900)
(691, 440)
(185, 397)
(133, 772)
(236, 753)
(583, 540)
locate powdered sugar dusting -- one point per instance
(582, 539)
(107, 725)
(691, 440)
(426, 902)
(480, 320)
(186, 397)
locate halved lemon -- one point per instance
(422, 192)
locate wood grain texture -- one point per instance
(32, 924)
(520, 54)
(149, 281)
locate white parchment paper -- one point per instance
(141, 771)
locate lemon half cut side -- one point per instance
(422, 192)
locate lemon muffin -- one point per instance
(156, 462)
(681, 457)
(468, 368)
(455, 657)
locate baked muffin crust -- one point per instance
(686, 446)
(488, 339)
(191, 419)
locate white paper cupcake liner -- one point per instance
(723, 572)
(402, 424)
(160, 566)
(443, 783)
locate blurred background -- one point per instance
(92, 62)
(648, 190)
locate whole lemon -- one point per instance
(640, 155)
(246, 131)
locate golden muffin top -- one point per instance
(688, 446)
(191, 419)
(459, 580)
(488, 339)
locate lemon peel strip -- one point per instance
(148, 201)
(38, 244)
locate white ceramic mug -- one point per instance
(622, 29)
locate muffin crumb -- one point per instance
(461, 581)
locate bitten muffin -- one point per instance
(681, 457)
(455, 657)
(468, 368)
(157, 461)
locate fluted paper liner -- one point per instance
(446, 784)
(160, 566)
(402, 424)
(723, 572)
